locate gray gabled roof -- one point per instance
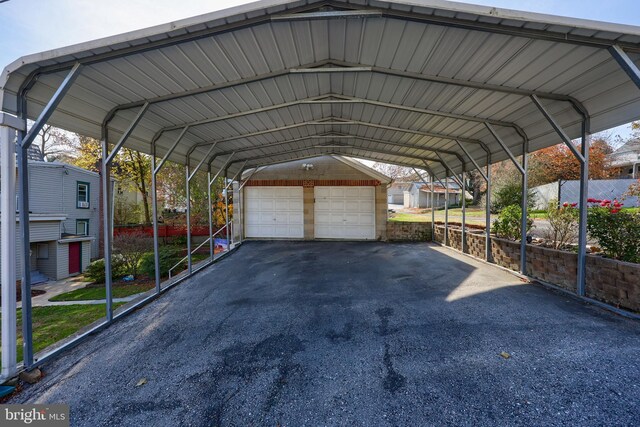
(391, 81)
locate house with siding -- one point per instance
(627, 160)
(418, 195)
(64, 221)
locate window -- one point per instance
(82, 196)
(82, 227)
(42, 251)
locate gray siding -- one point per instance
(74, 213)
(63, 260)
(86, 255)
(45, 189)
(44, 231)
(53, 189)
(48, 267)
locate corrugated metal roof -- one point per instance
(390, 81)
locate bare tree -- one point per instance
(394, 172)
(53, 143)
(131, 247)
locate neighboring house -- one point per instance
(627, 159)
(418, 195)
(65, 220)
(395, 192)
(327, 197)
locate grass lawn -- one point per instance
(53, 323)
(407, 217)
(96, 293)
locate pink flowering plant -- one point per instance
(563, 223)
(616, 231)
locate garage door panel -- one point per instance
(274, 212)
(296, 205)
(323, 205)
(344, 212)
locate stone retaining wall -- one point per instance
(608, 280)
(408, 231)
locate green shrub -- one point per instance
(169, 256)
(508, 223)
(95, 271)
(616, 231)
(511, 194)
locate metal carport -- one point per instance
(444, 87)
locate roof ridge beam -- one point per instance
(329, 154)
(381, 152)
(334, 136)
(337, 123)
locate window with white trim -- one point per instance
(82, 195)
(82, 227)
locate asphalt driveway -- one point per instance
(328, 333)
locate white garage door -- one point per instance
(274, 212)
(345, 213)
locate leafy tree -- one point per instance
(511, 194)
(135, 168)
(557, 162)
(88, 153)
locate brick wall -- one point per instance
(611, 281)
(614, 282)
(408, 231)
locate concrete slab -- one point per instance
(330, 333)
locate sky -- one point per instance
(31, 26)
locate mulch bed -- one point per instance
(141, 280)
(34, 293)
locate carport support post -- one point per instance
(433, 208)
(226, 209)
(522, 168)
(464, 209)
(155, 169)
(211, 246)
(446, 209)
(487, 231)
(583, 157)
(582, 230)
(525, 206)
(107, 206)
(8, 240)
(154, 209)
(25, 281)
(188, 194)
(106, 221)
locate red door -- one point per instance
(74, 257)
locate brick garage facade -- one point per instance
(326, 171)
(408, 231)
(607, 280)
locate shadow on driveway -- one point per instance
(333, 333)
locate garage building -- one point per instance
(327, 197)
